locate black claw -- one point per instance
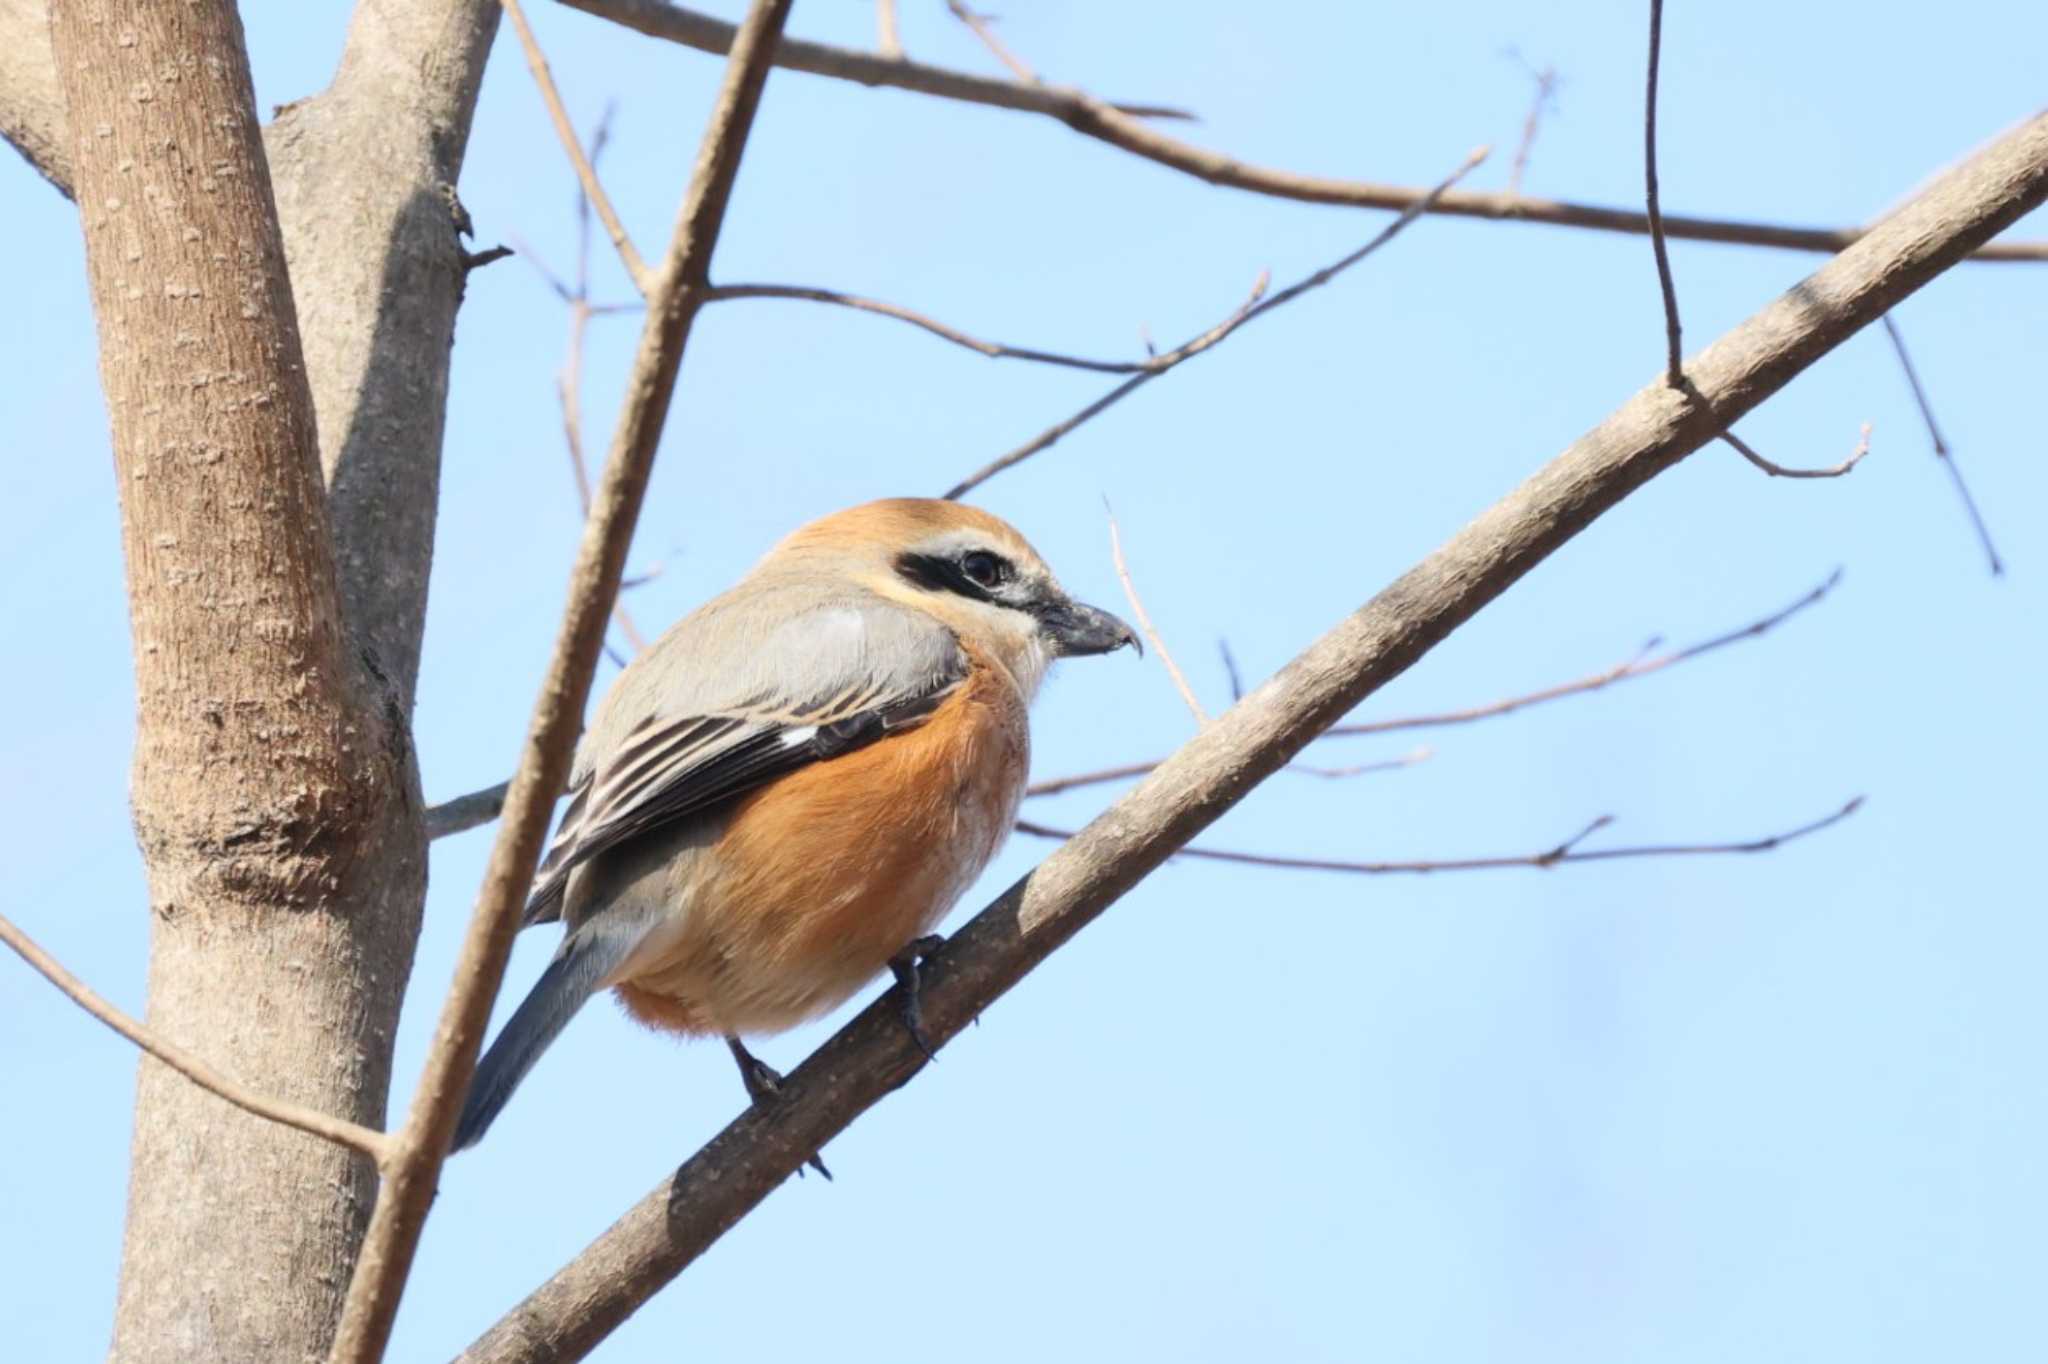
(764, 1088)
(910, 1007)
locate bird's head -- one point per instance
(968, 569)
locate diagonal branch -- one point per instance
(408, 1192)
(980, 26)
(586, 173)
(995, 350)
(1120, 126)
(1674, 350)
(1567, 851)
(1151, 631)
(374, 1144)
(1941, 450)
(1256, 306)
(675, 24)
(662, 1234)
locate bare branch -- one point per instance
(1230, 671)
(1251, 308)
(586, 173)
(676, 24)
(722, 293)
(669, 1228)
(1941, 450)
(1567, 851)
(569, 379)
(408, 1191)
(312, 1121)
(1123, 575)
(888, 37)
(464, 813)
(1776, 470)
(1543, 99)
(983, 29)
(1641, 665)
(1422, 753)
(1119, 125)
(31, 100)
(1053, 434)
(1674, 356)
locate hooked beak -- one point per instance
(1076, 628)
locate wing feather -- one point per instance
(845, 680)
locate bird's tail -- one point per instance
(584, 960)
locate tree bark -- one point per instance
(276, 623)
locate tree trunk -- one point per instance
(275, 792)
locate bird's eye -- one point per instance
(984, 569)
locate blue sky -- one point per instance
(1771, 1107)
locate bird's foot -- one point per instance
(764, 1087)
(909, 981)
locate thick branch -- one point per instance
(657, 1238)
(31, 101)
(408, 1192)
(1121, 127)
(341, 1131)
(365, 175)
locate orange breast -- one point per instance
(822, 876)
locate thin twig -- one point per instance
(1230, 671)
(1544, 98)
(1776, 470)
(422, 1144)
(1123, 575)
(1567, 851)
(1422, 753)
(1941, 450)
(374, 1144)
(569, 379)
(477, 260)
(1674, 358)
(1253, 307)
(586, 173)
(888, 37)
(723, 293)
(1641, 664)
(466, 812)
(984, 30)
(1120, 127)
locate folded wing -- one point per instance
(746, 690)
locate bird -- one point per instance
(786, 792)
